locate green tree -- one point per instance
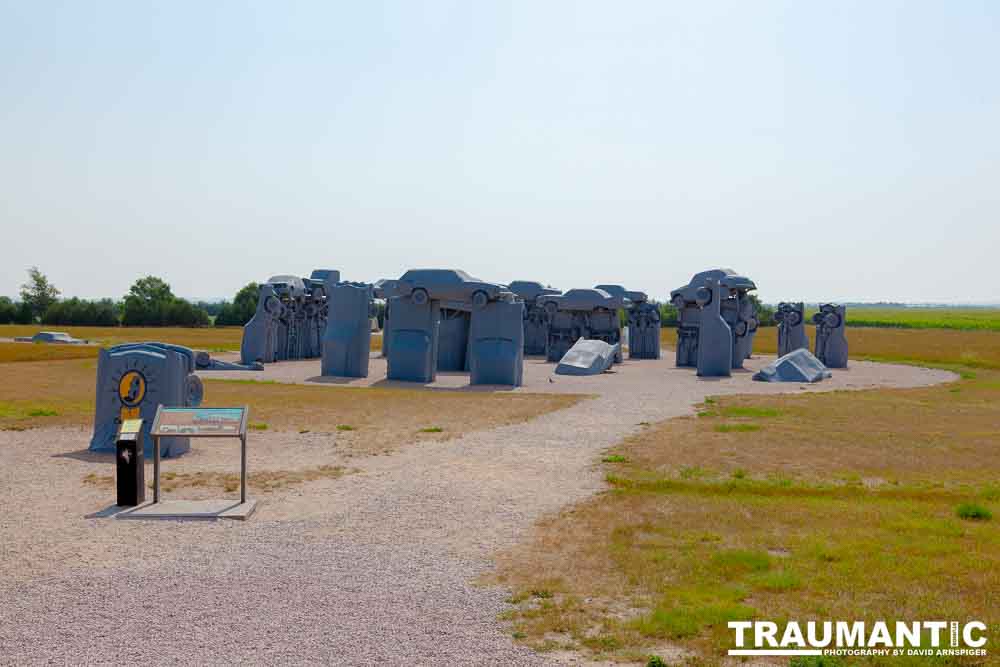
(765, 313)
(38, 292)
(150, 302)
(151, 290)
(241, 309)
(24, 314)
(8, 311)
(79, 312)
(669, 316)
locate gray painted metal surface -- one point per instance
(290, 319)
(347, 339)
(496, 349)
(53, 337)
(582, 313)
(453, 336)
(204, 362)
(715, 338)
(791, 319)
(799, 365)
(831, 339)
(536, 320)
(587, 357)
(736, 309)
(617, 291)
(132, 380)
(643, 327)
(413, 332)
(423, 285)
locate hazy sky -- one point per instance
(835, 150)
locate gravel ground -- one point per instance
(373, 567)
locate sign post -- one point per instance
(197, 423)
(130, 479)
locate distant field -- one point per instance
(210, 339)
(977, 349)
(966, 319)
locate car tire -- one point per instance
(419, 296)
(480, 299)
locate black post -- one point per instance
(130, 466)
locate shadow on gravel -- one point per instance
(86, 455)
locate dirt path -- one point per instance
(372, 567)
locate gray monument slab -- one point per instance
(132, 381)
(715, 338)
(413, 332)
(347, 339)
(497, 344)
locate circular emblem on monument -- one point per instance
(132, 389)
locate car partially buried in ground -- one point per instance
(56, 337)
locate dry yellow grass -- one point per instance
(379, 418)
(12, 352)
(61, 393)
(210, 339)
(977, 349)
(265, 481)
(839, 506)
(221, 339)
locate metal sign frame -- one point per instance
(242, 435)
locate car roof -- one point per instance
(434, 274)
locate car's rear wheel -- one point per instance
(419, 296)
(480, 299)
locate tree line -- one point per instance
(149, 302)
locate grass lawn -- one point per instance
(975, 349)
(210, 339)
(875, 505)
(967, 319)
(61, 393)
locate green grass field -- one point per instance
(965, 319)
(209, 339)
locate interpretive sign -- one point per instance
(200, 422)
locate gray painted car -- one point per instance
(422, 285)
(529, 290)
(582, 299)
(728, 280)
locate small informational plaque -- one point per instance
(131, 426)
(200, 422)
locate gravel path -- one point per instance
(374, 567)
